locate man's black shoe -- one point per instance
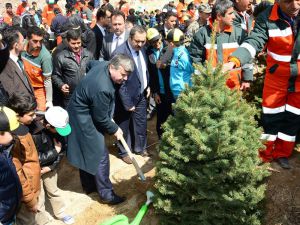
(284, 163)
(90, 190)
(144, 153)
(114, 200)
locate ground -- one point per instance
(283, 187)
(87, 209)
(282, 200)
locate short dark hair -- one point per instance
(8, 5)
(169, 14)
(22, 103)
(74, 33)
(137, 29)
(34, 30)
(101, 13)
(118, 13)
(220, 7)
(11, 36)
(131, 11)
(33, 3)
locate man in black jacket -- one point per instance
(100, 29)
(69, 66)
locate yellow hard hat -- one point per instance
(153, 34)
(175, 35)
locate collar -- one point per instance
(14, 58)
(276, 13)
(227, 29)
(133, 52)
(102, 29)
(121, 37)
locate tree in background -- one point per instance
(208, 172)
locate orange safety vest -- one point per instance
(235, 76)
(48, 14)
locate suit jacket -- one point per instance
(106, 53)
(129, 91)
(99, 41)
(90, 110)
(14, 80)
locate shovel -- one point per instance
(123, 220)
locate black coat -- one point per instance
(43, 140)
(90, 111)
(99, 41)
(66, 70)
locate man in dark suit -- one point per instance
(116, 38)
(103, 17)
(90, 111)
(13, 76)
(131, 100)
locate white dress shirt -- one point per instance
(114, 43)
(144, 66)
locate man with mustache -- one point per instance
(277, 28)
(37, 62)
(69, 65)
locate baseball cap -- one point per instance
(153, 35)
(175, 35)
(59, 118)
(9, 121)
(205, 8)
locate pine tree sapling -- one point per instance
(207, 170)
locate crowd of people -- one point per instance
(69, 77)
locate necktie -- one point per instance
(117, 44)
(20, 63)
(140, 71)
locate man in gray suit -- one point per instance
(116, 38)
(13, 76)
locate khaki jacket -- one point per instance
(26, 161)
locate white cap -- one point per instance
(58, 118)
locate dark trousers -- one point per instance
(99, 182)
(134, 127)
(163, 110)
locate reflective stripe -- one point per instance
(209, 46)
(267, 110)
(230, 45)
(247, 66)
(250, 48)
(32, 63)
(292, 109)
(286, 137)
(282, 58)
(47, 74)
(280, 33)
(298, 57)
(268, 137)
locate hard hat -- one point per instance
(153, 34)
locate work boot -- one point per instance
(284, 163)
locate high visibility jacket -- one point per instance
(48, 14)
(8, 19)
(38, 66)
(226, 42)
(283, 48)
(245, 21)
